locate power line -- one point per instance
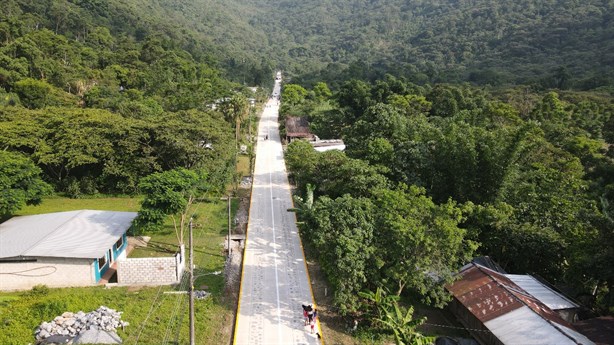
(175, 310)
(178, 304)
(153, 304)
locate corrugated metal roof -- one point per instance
(543, 293)
(482, 295)
(524, 326)
(497, 301)
(73, 234)
(598, 329)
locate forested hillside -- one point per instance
(211, 31)
(560, 44)
(550, 44)
(96, 95)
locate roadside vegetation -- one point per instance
(436, 174)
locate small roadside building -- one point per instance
(297, 128)
(327, 145)
(497, 309)
(61, 249)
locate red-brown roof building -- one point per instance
(496, 310)
(297, 128)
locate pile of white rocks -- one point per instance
(246, 182)
(71, 324)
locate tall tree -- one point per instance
(342, 231)
(420, 244)
(170, 194)
(20, 183)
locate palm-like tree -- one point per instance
(403, 326)
(386, 313)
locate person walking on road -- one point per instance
(307, 313)
(312, 320)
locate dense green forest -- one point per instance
(562, 43)
(433, 175)
(94, 103)
(210, 31)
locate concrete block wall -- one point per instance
(53, 272)
(148, 271)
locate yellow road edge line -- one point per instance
(249, 214)
(300, 240)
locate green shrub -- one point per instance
(33, 93)
(39, 290)
(73, 189)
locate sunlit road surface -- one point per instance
(274, 282)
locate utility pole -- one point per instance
(192, 337)
(229, 248)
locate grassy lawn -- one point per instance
(243, 167)
(154, 317)
(59, 204)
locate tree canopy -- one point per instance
(20, 183)
(453, 171)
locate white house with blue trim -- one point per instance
(61, 249)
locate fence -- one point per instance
(151, 271)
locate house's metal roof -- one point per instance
(524, 326)
(598, 329)
(504, 307)
(545, 294)
(483, 296)
(327, 144)
(73, 234)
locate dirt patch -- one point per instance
(242, 216)
(232, 268)
(135, 288)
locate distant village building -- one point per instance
(507, 309)
(328, 144)
(297, 128)
(61, 249)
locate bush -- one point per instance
(9, 99)
(33, 93)
(88, 185)
(39, 290)
(73, 189)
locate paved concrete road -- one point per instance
(274, 283)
